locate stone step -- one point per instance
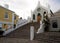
(48, 37)
(24, 31)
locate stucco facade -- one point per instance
(7, 18)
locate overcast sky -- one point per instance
(23, 7)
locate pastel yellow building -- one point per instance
(8, 19)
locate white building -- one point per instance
(39, 11)
(55, 22)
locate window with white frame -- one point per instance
(6, 15)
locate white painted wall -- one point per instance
(43, 9)
(58, 23)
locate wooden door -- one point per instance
(38, 17)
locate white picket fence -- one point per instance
(19, 24)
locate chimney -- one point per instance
(6, 6)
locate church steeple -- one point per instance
(38, 3)
(48, 6)
(38, 6)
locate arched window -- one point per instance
(55, 25)
(44, 12)
(39, 14)
(33, 16)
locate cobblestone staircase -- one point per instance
(24, 33)
(48, 37)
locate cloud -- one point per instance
(55, 5)
(23, 7)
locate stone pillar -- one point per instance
(31, 32)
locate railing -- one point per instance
(19, 24)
